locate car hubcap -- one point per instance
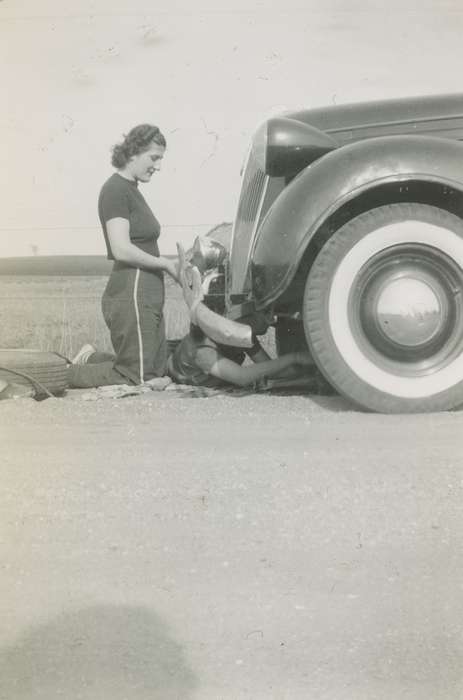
(406, 308)
(409, 311)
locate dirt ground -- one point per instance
(229, 548)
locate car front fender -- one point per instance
(331, 182)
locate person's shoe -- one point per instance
(84, 353)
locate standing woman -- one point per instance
(133, 300)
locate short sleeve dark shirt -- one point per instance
(121, 198)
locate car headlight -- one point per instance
(207, 254)
(284, 146)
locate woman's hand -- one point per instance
(172, 269)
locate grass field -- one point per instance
(54, 302)
(62, 313)
(56, 265)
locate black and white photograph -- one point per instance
(231, 350)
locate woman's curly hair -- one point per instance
(137, 141)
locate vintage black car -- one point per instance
(349, 237)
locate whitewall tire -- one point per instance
(383, 309)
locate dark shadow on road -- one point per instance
(332, 402)
(335, 404)
(97, 653)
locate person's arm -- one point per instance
(234, 373)
(221, 330)
(125, 251)
(257, 353)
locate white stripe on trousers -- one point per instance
(137, 315)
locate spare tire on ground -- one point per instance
(46, 372)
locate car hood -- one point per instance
(441, 115)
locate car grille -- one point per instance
(247, 218)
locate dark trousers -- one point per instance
(132, 306)
(98, 371)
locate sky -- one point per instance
(77, 76)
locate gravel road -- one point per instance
(229, 548)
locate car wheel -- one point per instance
(383, 309)
(46, 372)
